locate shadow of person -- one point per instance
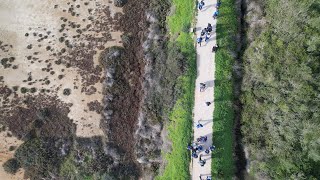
(209, 83)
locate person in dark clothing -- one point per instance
(212, 148)
(198, 139)
(215, 14)
(218, 4)
(203, 32)
(209, 30)
(201, 4)
(199, 40)
(189, 147)
(204, 138)
(199, 125)
(207, 151)
(215, 48)
(194, 155)
(208, 103)
(207, 38)
(201, 161)
(202, 87)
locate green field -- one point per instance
(180, 125)
(223, 162)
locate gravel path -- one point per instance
(205, 74)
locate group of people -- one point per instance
(205, 34)
(196, 148)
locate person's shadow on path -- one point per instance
(209, 83)
(207, 7)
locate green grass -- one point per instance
(222, 161)
(182, 16)
(180, 125)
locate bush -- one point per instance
(120, 3)
(281, 93)
(24, 90)
(67, 92)
(11, 148)
(11, 166)
(33, 90)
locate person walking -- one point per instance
(212, 148)
(200, 148)
(202, 87)
(194, 155)
(215, 14)
(200, 5)
(202, 139)
(208, 103)
(199, 125)
(201, 161)
(207, 151)
(209, 28)
(215, 48)
(199, 40)
(207, 38)
(218, 4)
(203, 32)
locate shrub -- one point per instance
(120, 3)
(33, 90)
(67, 92)
(24, 90)
(11, 166)
(11, 148)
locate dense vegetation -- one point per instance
(222, 162)
(181, 52)
(281, 86)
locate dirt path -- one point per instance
(205, 74)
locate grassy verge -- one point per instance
(223, 163)
(180, 126)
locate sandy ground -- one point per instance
(38, 23)
(5, 154)
(206, 72)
